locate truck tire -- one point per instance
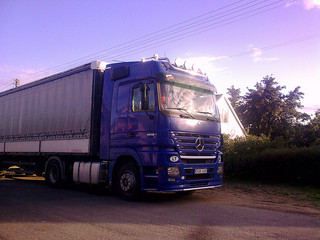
(128, 182)
(54, 174)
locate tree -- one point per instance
(235, 98)
(266, 110)
(315, 126)
(307, 133)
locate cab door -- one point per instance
(142, 115)
(119, 116)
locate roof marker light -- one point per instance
(188, 65)
(154, 57)
(179, 62)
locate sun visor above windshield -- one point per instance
(190, 80)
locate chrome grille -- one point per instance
(186, 143)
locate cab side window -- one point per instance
(143, 97)
(122, 98)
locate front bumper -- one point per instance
(192, 177)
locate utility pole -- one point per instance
(16, 82)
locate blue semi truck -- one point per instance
(134, 126)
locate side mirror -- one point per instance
(145, 97)
(145, 100)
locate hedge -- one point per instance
(258, 158)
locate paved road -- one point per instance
(32, 210)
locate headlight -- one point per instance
(173, 171)
(220, 169)
(219, 158)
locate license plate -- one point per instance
(200, 170)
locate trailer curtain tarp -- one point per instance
(58, 109)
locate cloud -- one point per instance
(221, 69)
(289, 4)
(208, 59)
(257, 55)
(311, 108)
(26, 75)
(257, 52)
(15, 71)
(266, 59)
(309, 4)
(205, 64)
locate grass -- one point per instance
(314, 195)
(296, 192)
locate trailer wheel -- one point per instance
(128, 182)
(53, 174)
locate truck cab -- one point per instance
(161, 131)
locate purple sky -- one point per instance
(42, 37)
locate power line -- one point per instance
(176, 34)
(115, 52)
(194, 32)
(265, 48)
(185, 27)
(282, 44)
(128, 42)
(5, 87)
(136, 39)
(181, 31)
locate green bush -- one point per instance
(259, 158)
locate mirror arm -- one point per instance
(149, 115)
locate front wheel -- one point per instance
(128, 182)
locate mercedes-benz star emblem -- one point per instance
(199, 144)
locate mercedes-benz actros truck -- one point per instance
(134, 126)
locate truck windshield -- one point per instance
(181, 100)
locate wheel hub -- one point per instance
(127, 181)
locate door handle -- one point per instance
(132, 134)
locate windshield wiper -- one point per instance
(211, 114)
(182, 109)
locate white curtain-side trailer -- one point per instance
(55, 116)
